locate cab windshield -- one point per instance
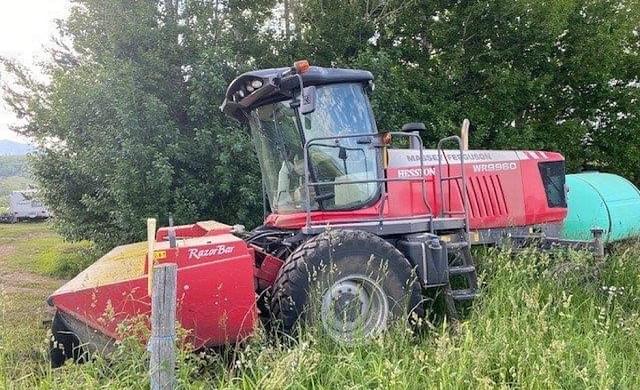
(340, 109)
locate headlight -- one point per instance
(250, 88)
(256, 84)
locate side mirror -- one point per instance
(308, 104)
(414, 126)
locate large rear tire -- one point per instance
(352, 282)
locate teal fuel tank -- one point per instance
(602, 200)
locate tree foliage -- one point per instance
(128, 126)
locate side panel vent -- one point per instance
(486, 196)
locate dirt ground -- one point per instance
(15, 281)
(20, 283)
(24, 314)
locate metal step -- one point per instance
(461, 270)
(464, 295)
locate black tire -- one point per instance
(63, 343)
(343, 264)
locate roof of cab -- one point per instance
(315, 75)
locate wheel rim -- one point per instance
(354, 306)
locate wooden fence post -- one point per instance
(151, 241)
(162, 344)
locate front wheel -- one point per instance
(352, 282)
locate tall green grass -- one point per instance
(543, 322)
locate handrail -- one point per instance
(441, 179)
(308, 184)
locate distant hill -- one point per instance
(12, 148)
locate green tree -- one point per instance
(129, 126)
(558, 75)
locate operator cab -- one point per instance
(313, 114)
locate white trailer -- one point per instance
(26, 205)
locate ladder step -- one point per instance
(464, 295)
(457, 245)
(461, 270)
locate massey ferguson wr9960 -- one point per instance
(360, 223)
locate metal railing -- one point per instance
(383, 197)
(442, 179)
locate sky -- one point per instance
(26, 26)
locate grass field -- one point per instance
(542, 322)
